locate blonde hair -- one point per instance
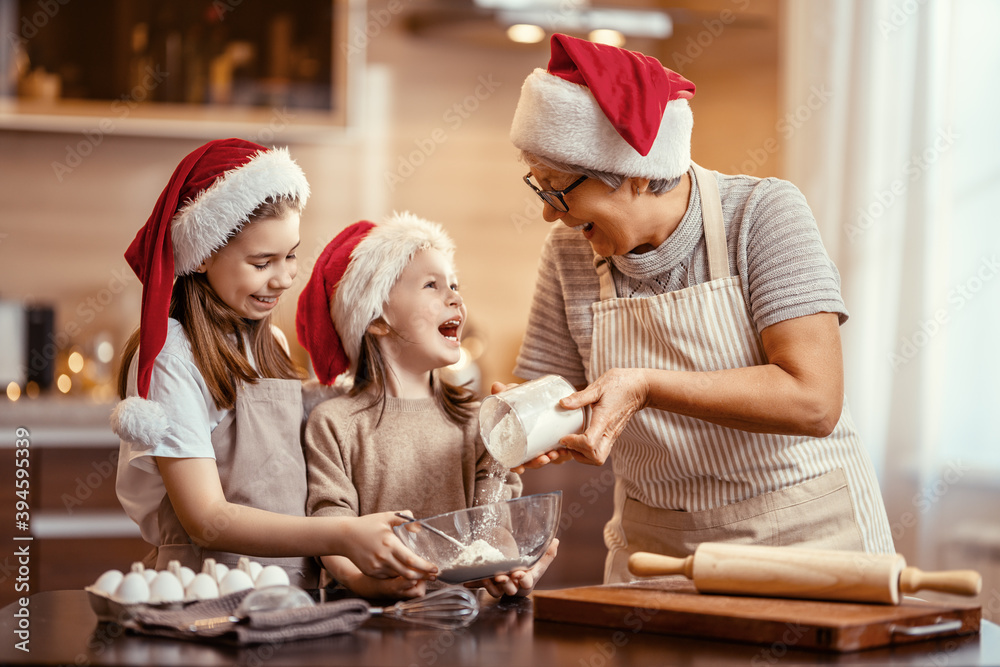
(210, 326)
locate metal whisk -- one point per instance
(446, 609)
(289, 606)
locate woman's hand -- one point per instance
(613, 399)
(375, 549)
(518, 582)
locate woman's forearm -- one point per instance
(762, 399)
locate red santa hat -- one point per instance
(608, 109)
(350, 285)
(209, 197)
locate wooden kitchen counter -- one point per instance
(64, 630)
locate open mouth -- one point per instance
(585, 227)
(450, 329)
(267, 300)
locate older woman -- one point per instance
(697, 312)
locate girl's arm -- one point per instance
(799, 391)
(195, 491)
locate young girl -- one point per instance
(211, 462)
(383, 304)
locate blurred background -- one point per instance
(880, 111)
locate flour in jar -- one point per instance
(507, 441)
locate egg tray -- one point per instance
(111, 610)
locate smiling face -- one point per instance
(427, 314)
(255, 268)
(605, 217)
(614, 221)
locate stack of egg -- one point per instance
(180, 584)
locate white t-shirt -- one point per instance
(178, 386)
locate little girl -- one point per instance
(211, 462)
(383, 304)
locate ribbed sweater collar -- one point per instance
(678, 246)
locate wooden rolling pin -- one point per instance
(852, 576)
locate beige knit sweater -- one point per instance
(416, 459)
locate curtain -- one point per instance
(891, 132)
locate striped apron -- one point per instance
(681, 481)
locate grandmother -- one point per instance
(698, 315)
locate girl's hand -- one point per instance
(347, 574)
(519, 582)
(397, 588)
(613, 399)
(375, 549)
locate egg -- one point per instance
(221, 570)
(166, 587)
(272, 575)
(133, 589)
(183, 573)
(202, 587)
(235, 580)
(108, 582)
(251, 567)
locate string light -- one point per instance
(605, 36)
(75, 362)
(525, 33)
(105, 351)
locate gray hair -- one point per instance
(657, 186)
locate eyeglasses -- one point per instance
(553, 198)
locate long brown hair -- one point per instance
(219, 337)
(371, 374)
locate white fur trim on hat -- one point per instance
(562, 121)
(140, 421)
(205, 224)
(375, 266)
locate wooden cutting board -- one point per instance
(671, 605)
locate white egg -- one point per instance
(166, 587)
(202, 587)
(109, 582)
(221, 570)
(183, 573)
(272, 575)
(255, 569)
(149, 575)
(133, 589)
(235, 580)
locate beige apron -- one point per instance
(680, 481)
(259, 455)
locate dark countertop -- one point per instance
(64, 630)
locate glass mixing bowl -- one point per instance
(487, 540)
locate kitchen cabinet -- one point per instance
(76, 525)
(178, 68)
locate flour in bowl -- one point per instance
(479, 560)
(480, 552)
